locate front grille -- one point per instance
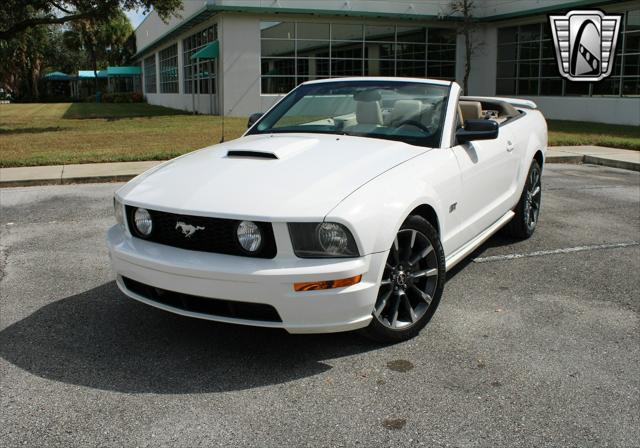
(215, 235)
(204, 305)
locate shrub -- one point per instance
(129, 97)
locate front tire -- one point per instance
(412, 283)
(527, 211)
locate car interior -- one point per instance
(496, 110)
(380, 113)
(395, 113)
(410, 113)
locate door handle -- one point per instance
(510, 146)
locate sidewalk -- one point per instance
(595, 155)
(73, 174)
(123, 171)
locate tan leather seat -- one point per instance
(404, 110)
(471, 110)
(368, 117)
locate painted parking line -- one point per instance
(566, 250)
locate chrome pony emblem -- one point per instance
(187, 229)
(585, 44)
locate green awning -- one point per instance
(209, 51)
(90, 74)
(124, 71)
(57, 76)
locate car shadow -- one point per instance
(104, 340)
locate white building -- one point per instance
(266, 47)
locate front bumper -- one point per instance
(252, 280)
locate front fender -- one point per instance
(375, 212)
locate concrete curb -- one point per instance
(67, 181)
(594, 160)
(612, 163)
(124, 171)
(73, 174)
(575, 159)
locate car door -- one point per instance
(488, 168)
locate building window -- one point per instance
(150, 74)
(521, 61)
(169, 69)
(527, 63)
(630, 85)
(206, 72)
(294, 52)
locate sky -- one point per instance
(135, 17)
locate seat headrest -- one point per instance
(368, 112)
(471, 110)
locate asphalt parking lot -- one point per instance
(535, 343)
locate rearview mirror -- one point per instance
(477, 130)
(253, 118)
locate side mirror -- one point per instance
(253, 118)
(477, 130)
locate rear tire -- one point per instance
(412, 283)
(527, 211)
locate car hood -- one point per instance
(305, 176)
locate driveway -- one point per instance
(535, 343)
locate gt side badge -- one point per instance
(585, 43)
(452, 207)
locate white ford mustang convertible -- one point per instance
(340, 208)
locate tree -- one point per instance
(66, 48)
(26, 57)
(467, 27)
(105, 42)
(17, 16)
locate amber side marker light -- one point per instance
(328, 284)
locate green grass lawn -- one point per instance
(63, 133)
(570, 133)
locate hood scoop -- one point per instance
(252, 154)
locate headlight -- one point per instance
(333, 237)
(143, 222)
(249, 236)
(118, 211)
(322, 240)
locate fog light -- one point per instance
(249, 236)
(143, 222)
(327, 284)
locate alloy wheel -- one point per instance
(409, 281)
(534, 195)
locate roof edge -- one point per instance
(214, 8)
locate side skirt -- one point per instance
(472, 245)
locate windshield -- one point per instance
(411, 112)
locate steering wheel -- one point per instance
(413, 123)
